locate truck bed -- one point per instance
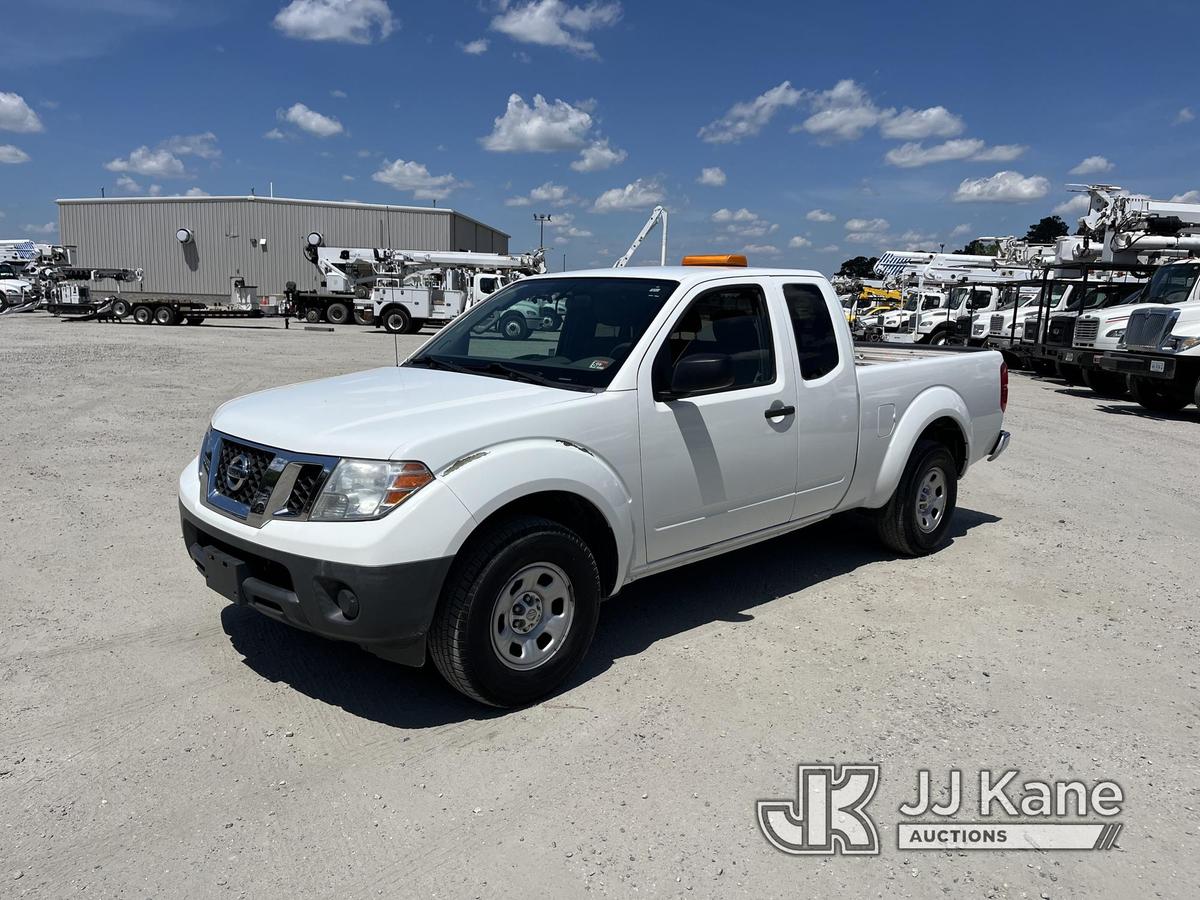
(874, 353)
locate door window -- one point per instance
(816, 341)
(730, 321)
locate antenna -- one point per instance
(396, 348)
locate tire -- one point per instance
(363, 317)
(1157, 396)
(195, 320)
(312, 315)
(939, 338)
(337, 313)
(164, 315)
(396, 320)
(143, 315)
(513, 327)
(120, 308)
(1044, 367)
(1069, 373)
(915, 520)
(1109, 385)
(551, 320)
(477, 612)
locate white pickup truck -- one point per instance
(482, 498)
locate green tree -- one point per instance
(980, 248)
(1047, 230)
(859, 267)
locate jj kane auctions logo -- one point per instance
(829, 814)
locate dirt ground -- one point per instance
(156, 742)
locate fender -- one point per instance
(926, 408)
(492, 477)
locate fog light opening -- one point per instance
(347, 602)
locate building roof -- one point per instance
(294, 201)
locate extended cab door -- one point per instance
(827, 398)
(718, 462)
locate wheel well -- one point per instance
(571, 511)
(947, 432)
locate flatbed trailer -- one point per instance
(146, 311)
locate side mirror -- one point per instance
(698, 374)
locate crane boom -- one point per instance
(659, 213)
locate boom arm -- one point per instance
(658, 213)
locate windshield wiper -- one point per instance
(439, 362)
(520, 375)
(493, 369)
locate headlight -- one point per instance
(362, 489)
(1115, 333)
(206, 451)
(1179, 344)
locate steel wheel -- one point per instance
(532, 616)
(931, 500)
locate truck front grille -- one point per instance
(1031, 330)
(1061, 331)
(255, 484)
(997, 325)
(1086, 331)
(1148, 328)
(243, 482)
(305, 490)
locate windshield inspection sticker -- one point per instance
(829, 814)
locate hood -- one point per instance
(1114, 313)
(14, 284)
(379, 413)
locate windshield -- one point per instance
(7, 271)
(1172, 284)
(563, 332)
(1009, 295)
(1105, 295)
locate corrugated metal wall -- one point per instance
(228, 238)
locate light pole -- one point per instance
(541, 219)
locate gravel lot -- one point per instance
(156, 742)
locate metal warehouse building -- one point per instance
(258, 239)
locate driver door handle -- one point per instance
(776, 412)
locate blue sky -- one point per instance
(800, 134)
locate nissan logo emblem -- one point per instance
(237, 473)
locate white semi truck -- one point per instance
(477, 503)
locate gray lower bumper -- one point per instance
(1000, 446)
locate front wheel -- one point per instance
(312, 315)
(916, 518)
(1109, 385)
(517, 613)
(514, 327)
(120, 308)
(397, 320)
(337, 313)
(1069, 372)
(1157, 396)
(940, 338)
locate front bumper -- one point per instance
(1135, 364)
(395, 603)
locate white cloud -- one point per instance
(15, 114)
(310, 120)
(1184, 116)
(347, 178)
(799, 241)
(636, 195)
(730, 215)
(917, 124)
(126, 183)
(820, 215)
(47, 228)
(866, 237)
(598, 156)
(960, 230)
(12, 155)
(476, 47)
(1091, 166)
(744, 223)
(761, 249)
(347, 21)
(196, 192)
(201, 145)
(711, 176)
(553, 23)
(1003, 187)
(413, 176)
(843, 112)
(1187, 197)
(867, 224)
(574, 232)
(1077, 206)
(911, 155)
(548, 193)
(749, 117)
(159, 163)
(275, 135)
(540, 128)
(829, 248)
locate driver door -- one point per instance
(721, 463)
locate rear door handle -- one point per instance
(776, 412)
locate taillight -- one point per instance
(1003, 386)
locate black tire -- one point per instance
(940, 338)
(513, 326)
(1069, 372)
(396, 320)
(120, 308)
(195, 320)
(165, 315)
(1158, 396)
(1044, 367)
(899, 523)
(1196, 394)
(337, 313)
(551, 320)
(460, 637)
(1109, 385)
(143, 315)
(363, 316)
(312, 314)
